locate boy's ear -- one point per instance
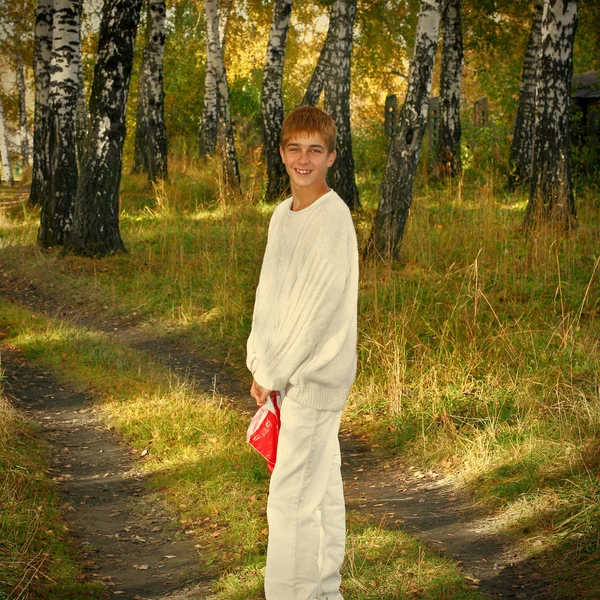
(331, 158)
(281, 154)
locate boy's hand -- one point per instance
(259, 393)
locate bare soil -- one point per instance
(110, 512)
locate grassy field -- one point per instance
(479, 349)
(36, 560)
(202, 469)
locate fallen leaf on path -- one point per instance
(169, 556)
(141, 567)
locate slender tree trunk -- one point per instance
(452, 59)
(272, 100)
(397, 185)
(522, 142)
(225, 7)
(207, 138)
(231, 173)
(317, 80)
(22, 112)
(551, 191)
(56, 219)
(41, 67)
(96, 225)
(337, 99)
(6, 168)
(150, 153)
(82, 116)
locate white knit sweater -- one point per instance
(303, 334)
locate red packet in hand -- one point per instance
(263, 431)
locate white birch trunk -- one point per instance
(452, 59)
(225, 7)
(551, 192)
(272, 100)
(57, 209)
(96, 223)
(337, 98)
(231, 173)
(207, 138)
(398, 180)
(150, 154)
(6, 168)
(42, 57)
(82, 115)
(522, 142)
(22, 112)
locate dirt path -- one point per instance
(127, 542)
(392, 495)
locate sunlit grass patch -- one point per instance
(380, 564)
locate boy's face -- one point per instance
(306, 160)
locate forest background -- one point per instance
(479, 346)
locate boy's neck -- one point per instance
(303, 197)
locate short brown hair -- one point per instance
(307, 120)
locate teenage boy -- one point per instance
(303, 342)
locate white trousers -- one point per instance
(306, 510)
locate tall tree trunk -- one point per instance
(522, 142)
(150, 153)
(57, 208)
(332, 74)
(82, 116)
(225, 7)
(231, 174)
(452, 59)
(96, 225)
(337, 99)
(551, 191)
(41, 67)
(317, 80)
(397, 185)
(272, 100)
(6, 168)
(207, 137)
(22, 112)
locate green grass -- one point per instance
(36, 560)
(479, 349)
(203, 471)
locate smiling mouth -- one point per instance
(303, 171)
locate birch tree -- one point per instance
(551, 191)
(224, 10)
(22, 111)
(403, 155)
(452, 58)
(150, 153)
(42, 56)
(6, 166)
(216, 105)
(337, 99)
(56, 218)
(272, 100)
(522, 142)
(207, 138)
(332, 74)
(81, 109)
(96, 223)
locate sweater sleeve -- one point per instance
(250, 347)
(316, 294)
